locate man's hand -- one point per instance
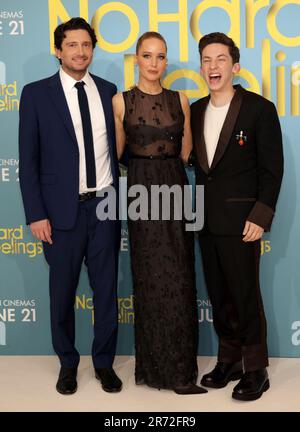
(42, 230)
(252, 232)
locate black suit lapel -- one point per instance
(199, 143)
(228, 125)
(59, 100)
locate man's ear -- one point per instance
(57, 53)
(236, 68)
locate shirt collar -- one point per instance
(68, 82)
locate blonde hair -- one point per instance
(149, 35)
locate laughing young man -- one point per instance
(239, 160)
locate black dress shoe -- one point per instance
(252, 385)
(67, 383)
(189, 389)
(223, 373)
(109, 380)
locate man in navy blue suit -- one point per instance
(67, 155)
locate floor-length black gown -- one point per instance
(162, 251)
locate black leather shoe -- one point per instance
(223, 373)
(109, 380)
(189, 389)
(67, 383)
(252, 385)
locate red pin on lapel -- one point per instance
(241, 138)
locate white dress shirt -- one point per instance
(101, 151)
(213, 123)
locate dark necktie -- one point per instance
(87, 135)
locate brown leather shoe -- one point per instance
(252, 385)
(109, 380)
(222, 373)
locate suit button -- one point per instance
(209, 178)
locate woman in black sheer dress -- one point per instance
(154, 123)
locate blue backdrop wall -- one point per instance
(268, 35)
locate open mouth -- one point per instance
(214, 78)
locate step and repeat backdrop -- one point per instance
(268, 35)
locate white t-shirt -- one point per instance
(213, 123)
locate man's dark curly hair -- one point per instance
(77, 23)
(223, 39)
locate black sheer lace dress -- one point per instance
(162, 251)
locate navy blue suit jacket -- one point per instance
(49, 154)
